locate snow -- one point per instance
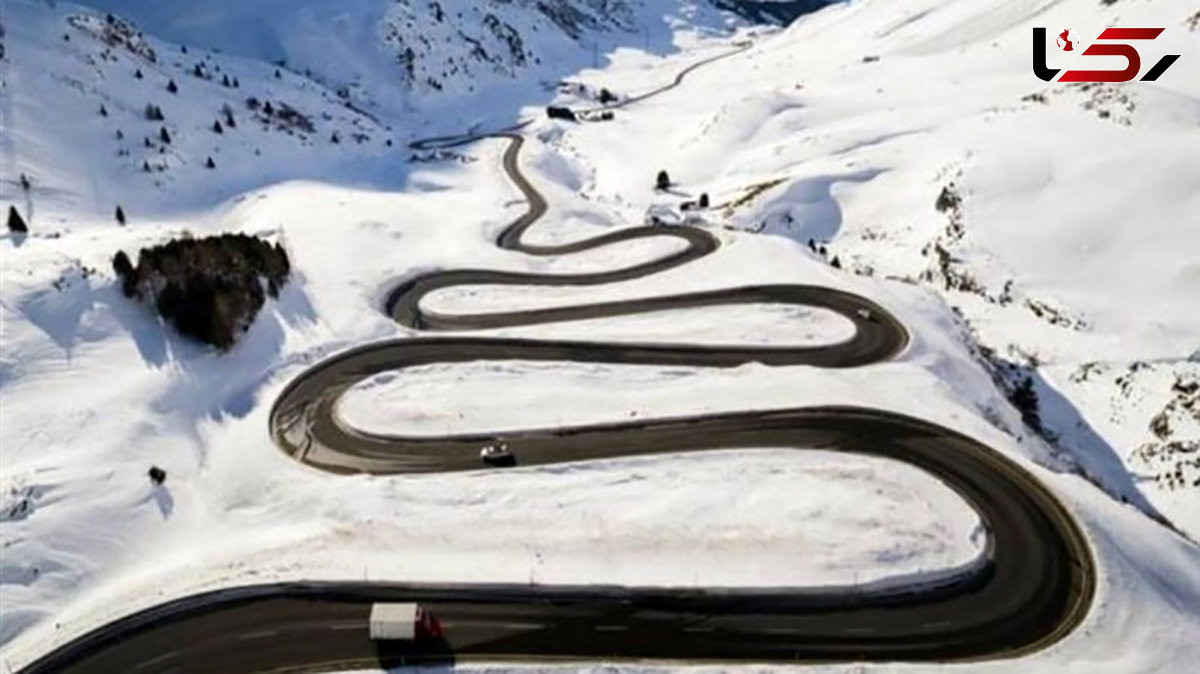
(1091, 217)
(765, 324)
(804, 137)
(618, 256)
(860, 158)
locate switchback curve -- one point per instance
(1033, 585)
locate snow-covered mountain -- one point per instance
(1040, 239)
(384, 51)
(364, 73)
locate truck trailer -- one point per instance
(403, 622)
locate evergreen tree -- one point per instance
(835, 263)
(15, 222)
(278, 75)
(25, 184)
(198, 71)
(663, 181)
(1024, 397)
(948, 199)
(127, 274)
(103, 111)
(120, 214)
(812, 245)
(236, 83)
(225, 81)
(335, 138)
(704, 200)
(164, 136)
(268, 110)
(210, 164)
(146, 165)
(216, 127)
(172, 87)
(138, 73)
(121, 264)
(120, 135)
(211, 289)
(157, 475)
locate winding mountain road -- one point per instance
(1032, 586)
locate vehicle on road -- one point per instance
(497, 454)
(865, 314)
(403, 622)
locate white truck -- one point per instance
(403, 622)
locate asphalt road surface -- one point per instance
(1033, 585)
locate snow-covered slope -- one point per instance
(1091, 216)
(1072, 250)
(349, 84)
(410, 53)
(418, 47)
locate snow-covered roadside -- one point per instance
(764, 324)
(811, 518)
(619, 255)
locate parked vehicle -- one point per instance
(596, 116)
(554, 112)
(403, 622)
(662, 215)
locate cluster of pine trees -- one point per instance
(210, 289)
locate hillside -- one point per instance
(1067, 243)
(383, 72)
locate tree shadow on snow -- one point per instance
(60, 315)
(17, 238)
(59, 309)
(204, 382)
(165, 502)
(217, 384)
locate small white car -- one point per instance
(497, 454)
(865, 314)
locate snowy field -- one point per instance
(1072, 255)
